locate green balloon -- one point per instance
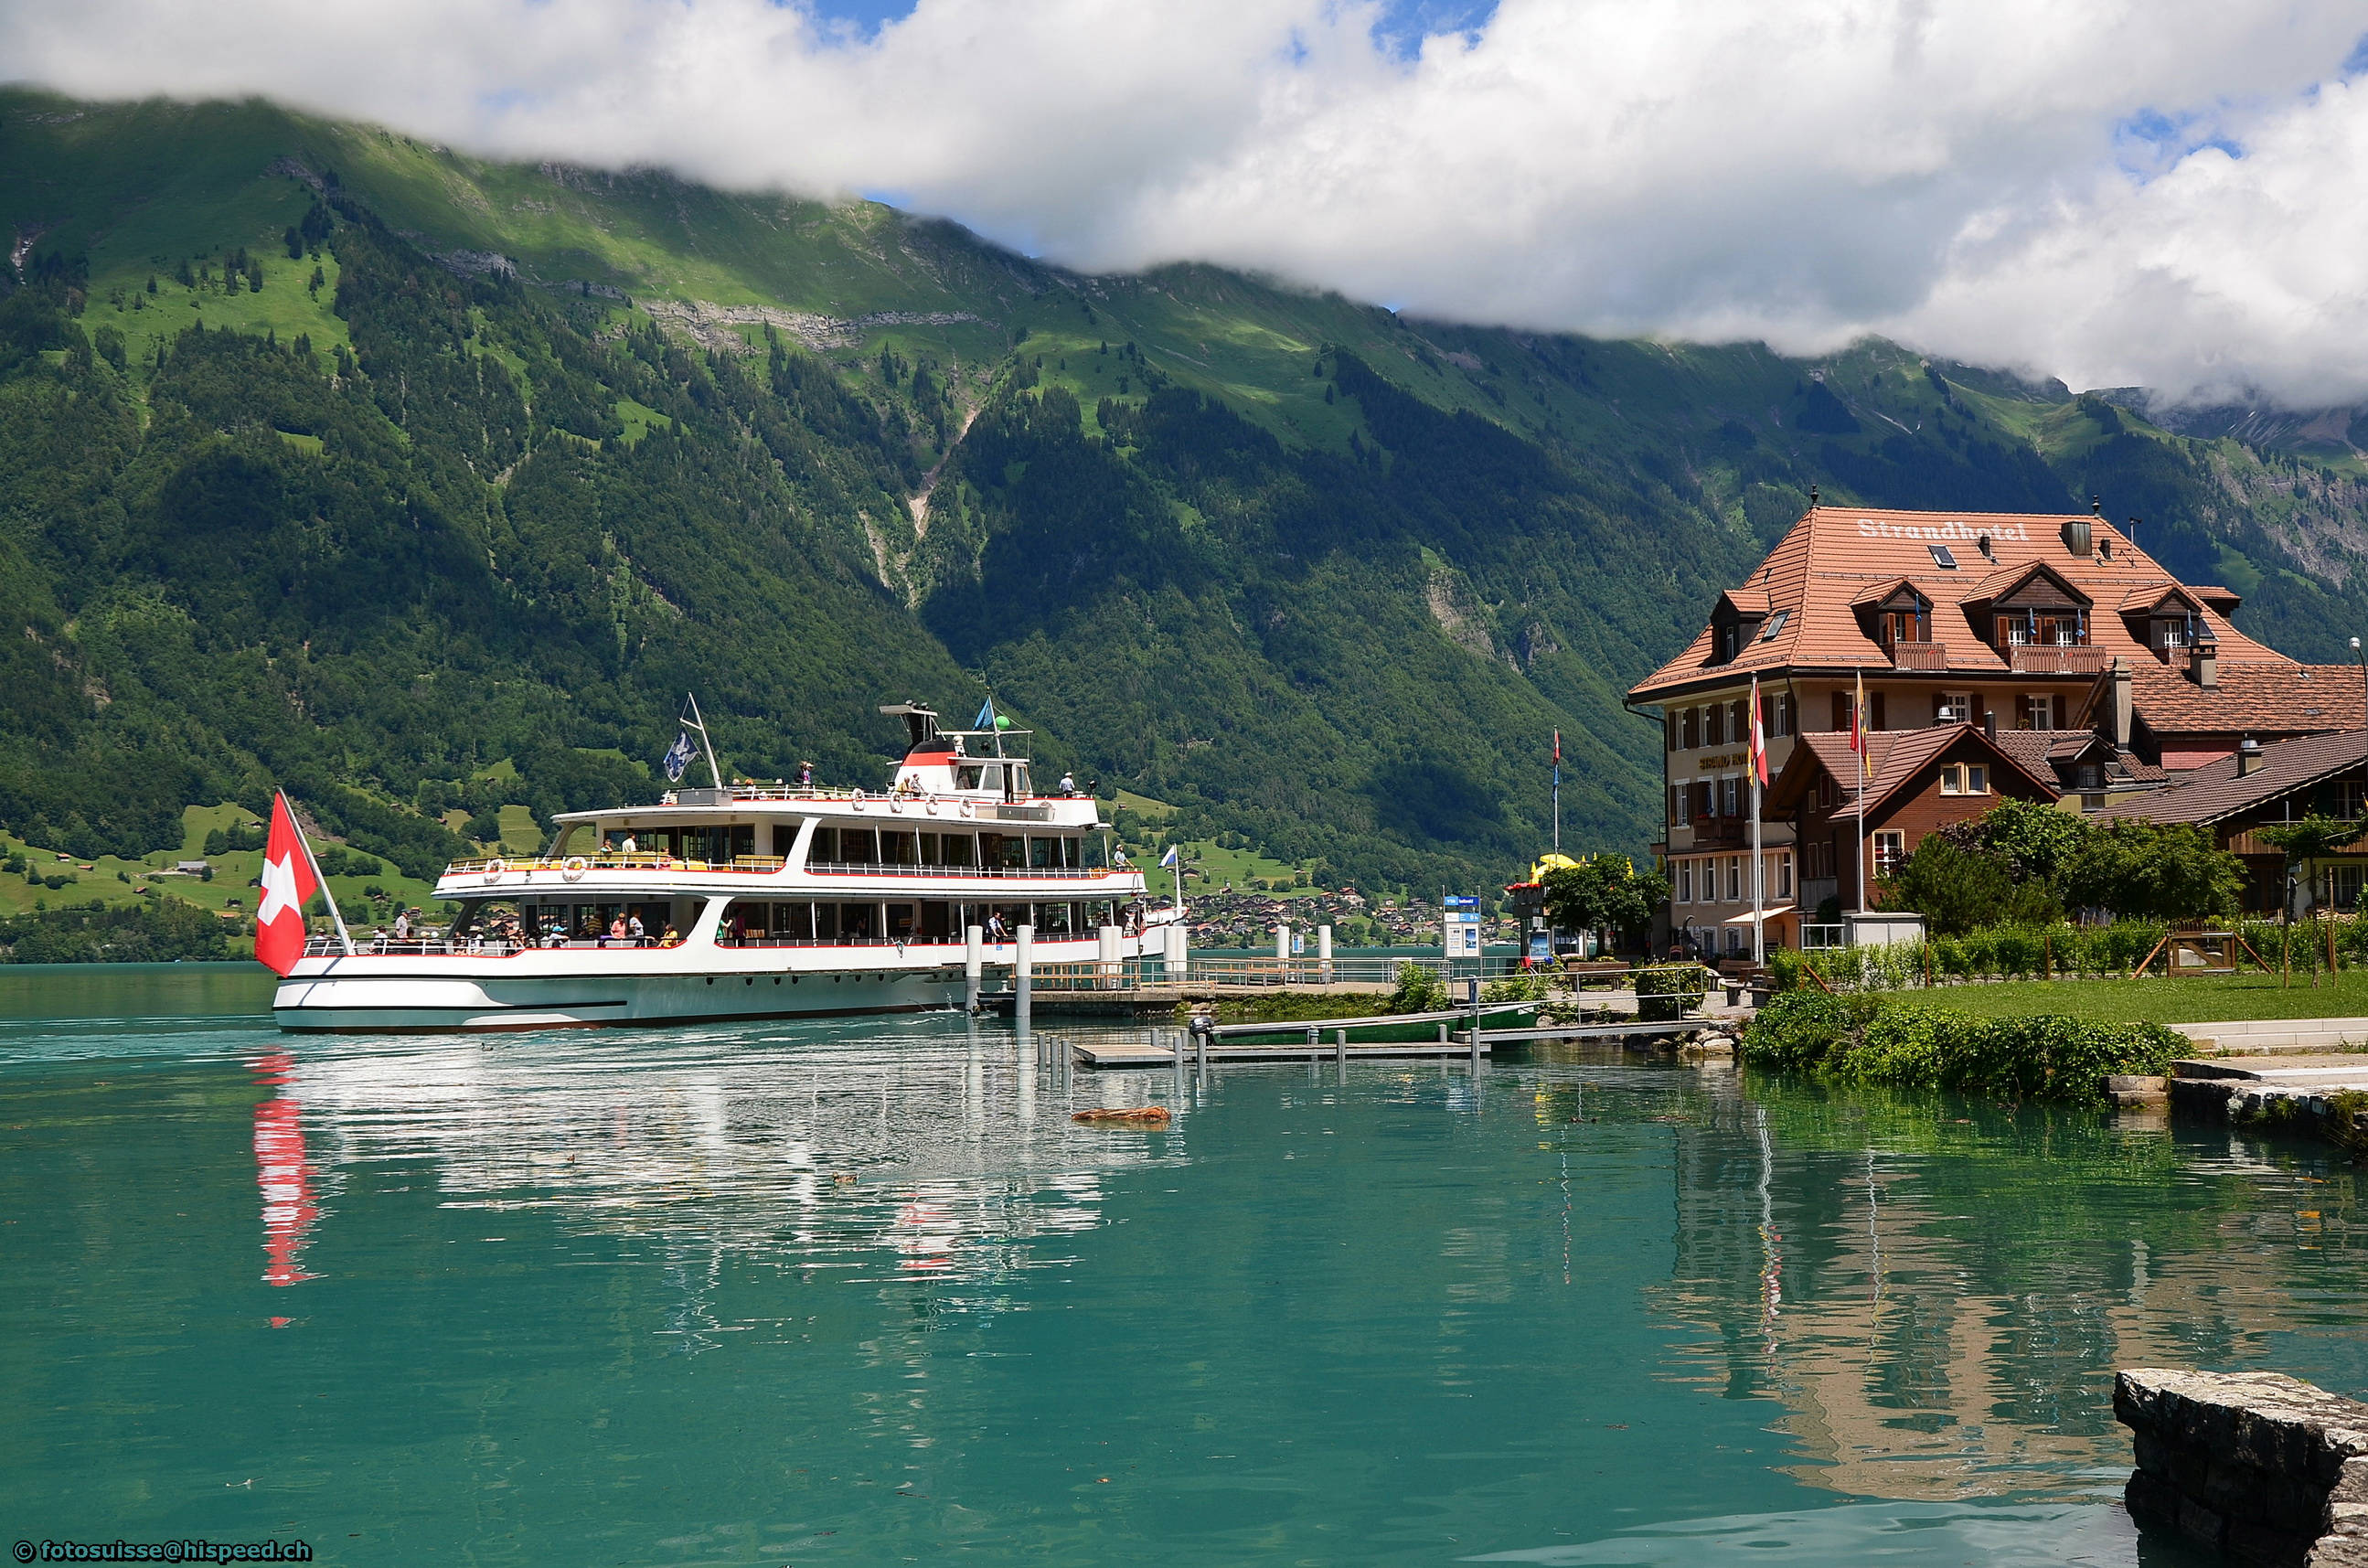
(1002, 721)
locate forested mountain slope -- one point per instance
(474, 464)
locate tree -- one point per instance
(1604, 891)
(2145, 871)
(2034, 841)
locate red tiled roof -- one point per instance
(1899, 757)
(2213, 791)
(2266, 697)
(1834, 554)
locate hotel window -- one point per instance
(1905, 626)
(1952, 708)
(2039, 711)
(2351, 800)
(1730, 797)
(1685, 882)
(1966, 779)
(1943, 557)
(1692, 717)
(1733, 878)
(1679, 815)
(1775, 624)
(2013, 631)
(1890, 850)
(1841, 711)
(1785, 874)
(1779, 714)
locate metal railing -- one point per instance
(613, 861)
(900, 868)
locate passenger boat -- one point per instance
(748, 901)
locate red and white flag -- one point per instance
(1758, 738)
(288, 886)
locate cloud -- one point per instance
(2162, 193)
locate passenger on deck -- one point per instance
(1068, 783)
(617, 929)
(403, 925)
(633, 928)
(995, 928)
(631, 846)
(805, 775)
(671, 939)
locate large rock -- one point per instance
(2266, 1468)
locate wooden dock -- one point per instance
(1149, 1053)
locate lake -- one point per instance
(861, 1292)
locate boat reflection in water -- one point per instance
(803, 1145)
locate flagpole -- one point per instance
(1558, 791)
(319, 881)
(699, 724)
(1865, 749)
(1758, 865)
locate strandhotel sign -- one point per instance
(1869, 529)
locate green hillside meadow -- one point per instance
(425, 487)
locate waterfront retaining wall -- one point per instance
(2268, 1468)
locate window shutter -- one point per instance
(1875, 720)
(2059, 711)
(2021, 712)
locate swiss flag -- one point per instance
(287, 887)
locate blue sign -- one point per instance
(1460, 900)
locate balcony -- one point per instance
(1720, 833)
(1919, 655)
(2056, 659)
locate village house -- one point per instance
(2071, 651)
(1914, 782)
(2234, 797)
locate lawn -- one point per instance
(2194, 1000)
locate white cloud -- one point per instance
(1961, 173)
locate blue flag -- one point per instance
(677, 757)
(1169, 859)
(986, 720)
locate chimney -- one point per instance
(2249, 758)
(2077, 535)
(1989, 550)
(2124, 709)
(1989, 725)
(2203, 659)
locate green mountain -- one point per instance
(426, 486)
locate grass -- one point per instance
(2195, 1000)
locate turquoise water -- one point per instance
(862, 1293)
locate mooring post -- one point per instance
(974, 965)
(1474, 984)
(1341, 1049)
(1324, 954)
(1200, 1030)
(1314, 1047)
(1023, 958)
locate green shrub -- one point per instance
(1419, 991)
(1669, 991)
(1871, 1038)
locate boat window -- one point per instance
(783, 835)
(960, 849)
(990, 776)
(1020, 789)
(858, 922)
(1100, 912)
(1053, 919)
(1043, 852)
(1071, 849)
(901, 921)
(857, 845)
(931, 853)
(898, 849)
(937, 923)
(825, 922)
(825, 847)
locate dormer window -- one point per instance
(1943, 557)
(1912, 624)
(1768, 633)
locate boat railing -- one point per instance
(901, 868)
(613, 861)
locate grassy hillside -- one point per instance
(476, 469)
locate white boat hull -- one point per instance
(579, 988)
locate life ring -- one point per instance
(574, 867)
(895, 805)
(969, 809)
(857, 802)
(930, 805)
(493, 870)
